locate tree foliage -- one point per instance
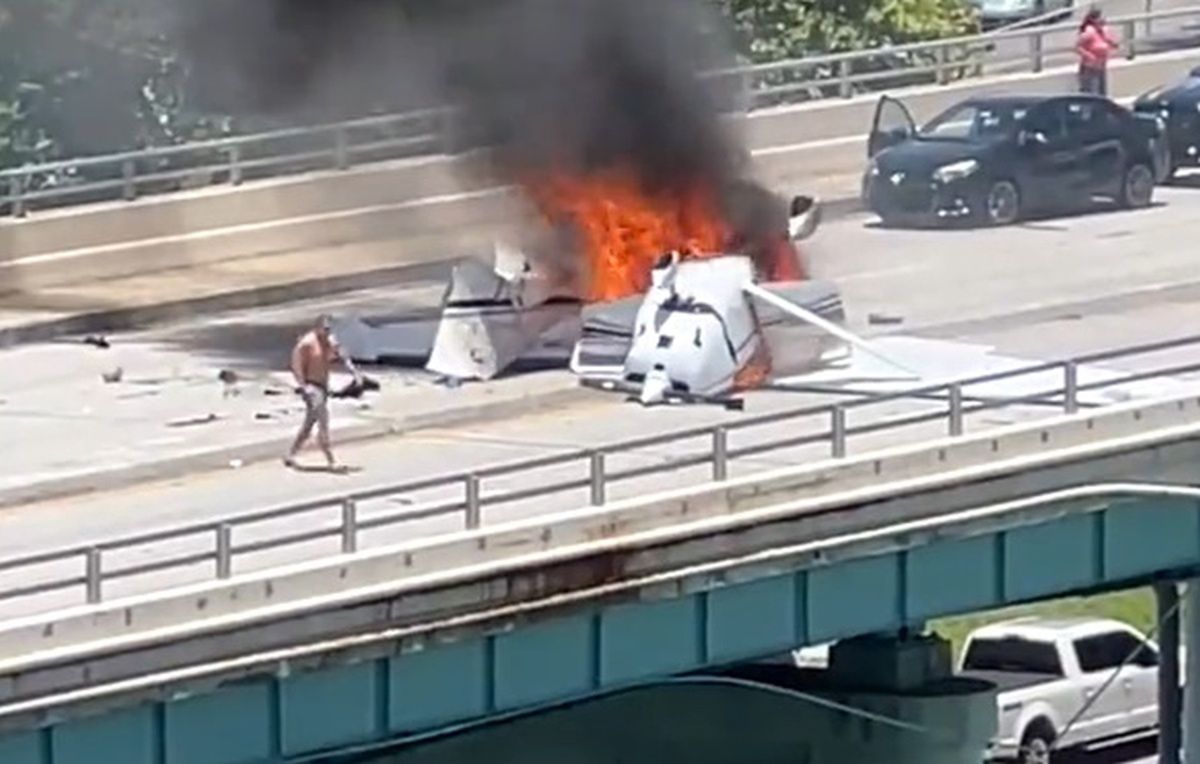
(770, 30)
(80, 77)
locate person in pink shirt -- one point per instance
(1094, 45)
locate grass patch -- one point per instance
(1135, 607)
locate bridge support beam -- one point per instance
(889, 681)
(1191, 684)
(1166, 596)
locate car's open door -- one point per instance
(893, 124)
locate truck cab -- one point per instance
(1064, 683)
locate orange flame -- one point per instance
(756, 371)
(624, 231)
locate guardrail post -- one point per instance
(1070, 387)
(943, 64)
(473, 502)
(956, 410)
(746, 91)
(224, 550)
(720, 453)
(1035, 51)
(844, 86)
(94, 575)
(1149, 8)
(837, 430)
(16, 195)
(235, 165)
(596, 473)
(341, 148)
(349, 526)
(1129, 29)
(129, 184)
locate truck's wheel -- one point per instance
(1036, 746)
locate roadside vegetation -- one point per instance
(1135, 607)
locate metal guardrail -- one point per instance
(221, 550)
(341, 146)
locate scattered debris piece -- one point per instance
(356, 389)
(193, 421)
(884, 319)
(274, 391)
(97, 340)
(236, 464)
(229, 378)
(114, 376)
(264, 416)
(139, 394)
(452, 383)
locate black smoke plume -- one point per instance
(547, 85)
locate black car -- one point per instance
(1178, 106)
(993, 160)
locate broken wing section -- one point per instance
(607, 336)
(795, 345)
(491, 317)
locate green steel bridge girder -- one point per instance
(1118, 543)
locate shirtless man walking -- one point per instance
(312, 359)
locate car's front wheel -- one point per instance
(1163, 169)
(1002, 204)
(1137, 186)
(1037, 747)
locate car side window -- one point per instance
(1097, 653)
(1047, 119)
(1113, 117)
(1087, 119)
(1105, 652)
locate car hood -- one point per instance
(1185, 93)
(923, 157)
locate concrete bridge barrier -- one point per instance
(457, 579)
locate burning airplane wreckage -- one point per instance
(708, 324)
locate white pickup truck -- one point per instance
(1047, 670)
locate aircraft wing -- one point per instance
(490, 319)
(819, 297)
(607, 336)
(405, 340)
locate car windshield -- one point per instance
(973, 122)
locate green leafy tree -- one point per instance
(80, 77)
(770, 30)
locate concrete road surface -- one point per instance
(1040, 290)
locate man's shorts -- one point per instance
(316, 400)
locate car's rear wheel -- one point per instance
(1137, 186)
(1002, 205)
